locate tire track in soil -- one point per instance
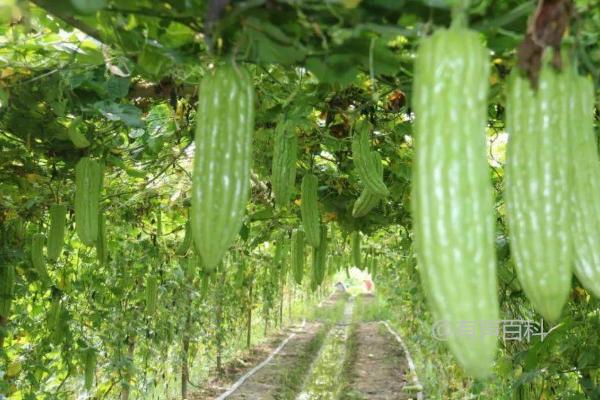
(267, 380)
(265, 383)
(380, 370)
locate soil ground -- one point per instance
(265, 382)
(379, 370)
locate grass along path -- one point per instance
(282, 376)
(343, 352)
(271, 382)
(324, 379)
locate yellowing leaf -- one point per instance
(6, 72)
(14, 368)
(331, 216)
(493, 79)
(32, 178)
(350, 3)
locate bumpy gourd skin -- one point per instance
(538, 189)
(221, 177)
(90, 367)
(283, 169)
(7, 289)
(311, 219)
(184, 246)
(320, 258)
(365, 163)
(585, 194)
(151, 294)
(367, 199)
(37, 252)
(56, 234)
(355, 246)
(452, 195)
(101, 242)
(89, 175)
(298, 255)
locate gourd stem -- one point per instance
(459, 13)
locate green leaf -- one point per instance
(587, 357)
(160, 121)
(334, 69)
(117, 87)
(266, 50)
(126, 113)
(153, 61)
(88, 6)
(3, 98)
(343, 63)
(265, 213)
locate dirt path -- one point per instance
(370, 363)
(323, 380)
(379, 368)
(283, 374)
(267, 382)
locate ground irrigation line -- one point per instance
(409, 360)
(254, 370)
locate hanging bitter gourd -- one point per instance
(538, 187)
(7, 288)
(159, 227)
(311, 219)
(585, 193)
(367, 260)
(284, 262)
(240, 276)
(151, 295)
(101, 243)
(452, 205)
(56, 233)
(279, 252)
(88, 185)
(368, 199)
(298, 255)
(320, 258)
(283, 168)
(221, 176)
(365, 163)
(374, 266)
(190, 269)
(187, 240)
(37, 256)
(57, 323)
(37, 251)
(89, 366)
(205, 285)
(355, 248)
